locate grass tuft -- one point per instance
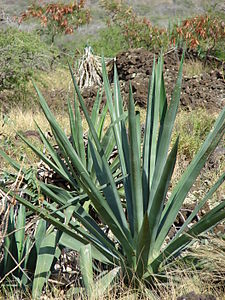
(194, 68)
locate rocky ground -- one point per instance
(206, 90)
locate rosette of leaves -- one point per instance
(129, 193)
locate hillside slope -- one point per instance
(159, 11)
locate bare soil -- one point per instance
(193, 296)
(206, 90)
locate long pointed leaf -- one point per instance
(86, 268)
(189, 176)
(160, 196)
(120, 135)
(216, 215)
(20, 231)
(135, 168)
(45, 259)
(201, 204)
(79, 132)
(166, 132)
(143, 247)
(147, 140)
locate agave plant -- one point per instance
(129, 193)
(27, 260)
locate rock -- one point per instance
(193, 296)
(135, 66)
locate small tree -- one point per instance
(203, 32)
(138, 31)
(57, 18)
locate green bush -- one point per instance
(110, 42)
(22, 53)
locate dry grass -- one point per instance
(212, 256)
(194, 68)
(183, 279)
(20, 121)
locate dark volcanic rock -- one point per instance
(207, 90)
(135, 66)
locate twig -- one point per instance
(17, 264)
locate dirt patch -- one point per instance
(193, 296)
(206, 90)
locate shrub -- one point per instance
(203, 32)
(57, 17)
(20, 54)
(110, 41)
(137, 31)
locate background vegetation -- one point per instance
(123, 29)
(22, 56)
